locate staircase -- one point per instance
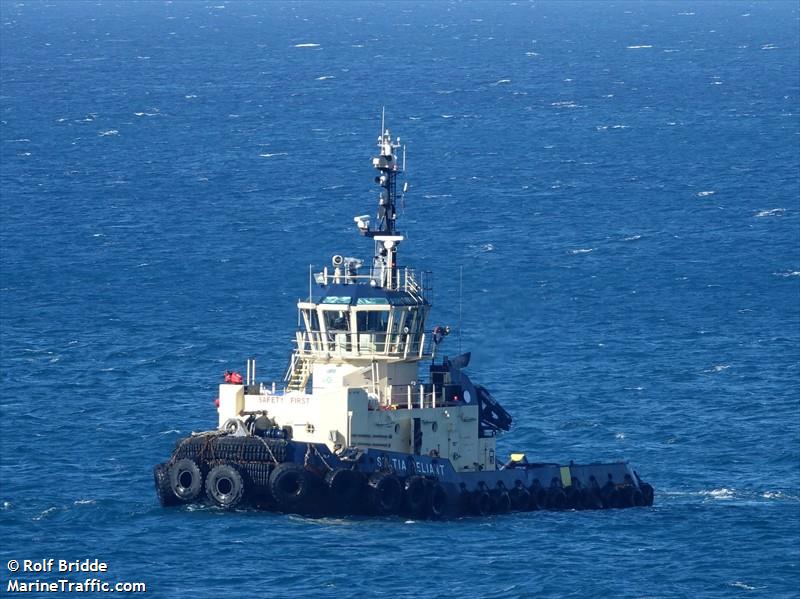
(298, 373)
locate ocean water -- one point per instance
(613, 186)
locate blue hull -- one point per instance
(307, 478)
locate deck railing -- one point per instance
(414, 396)
(345, 344)
(403, 279)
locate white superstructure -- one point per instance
(354, 379)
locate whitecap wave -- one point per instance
(788, 273)
(308, 45)
(274, 154)
(582, 251)
(722, 494)
(774, 495)
(772, 212)
(109, 132)
(606, 127)
(325, 78)
(638, 47)
(703, 194)
(46, 513)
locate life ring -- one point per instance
(416, 495)
(437, 501)
(386, 493)
(481, 503)
(186, 480)
(344, 488)
(290, 486)
(224, 486)
(164, 492)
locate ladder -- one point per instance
(298, 373)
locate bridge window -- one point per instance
(372, 321)
(337, 320)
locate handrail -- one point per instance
(411, 282)
(367, 344)
(417, 396)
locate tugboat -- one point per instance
(354, 428)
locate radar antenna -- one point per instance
(385, 232)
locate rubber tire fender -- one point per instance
(416, 495)
(225, 486)
(186, 480)
(624, 496)
(290, 486)
(591, 499)
(533, 502)
(501, 502)
(386, 493)
(556, 499)
(437, 501)
(648, 492)
(481, 503)
(538, 498)
(574, 500)
(344, 488)
(166, 497)
(464, 502)
(520, 499)
(608, 495)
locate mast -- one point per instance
(385, 235)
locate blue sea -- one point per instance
(606, 192)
